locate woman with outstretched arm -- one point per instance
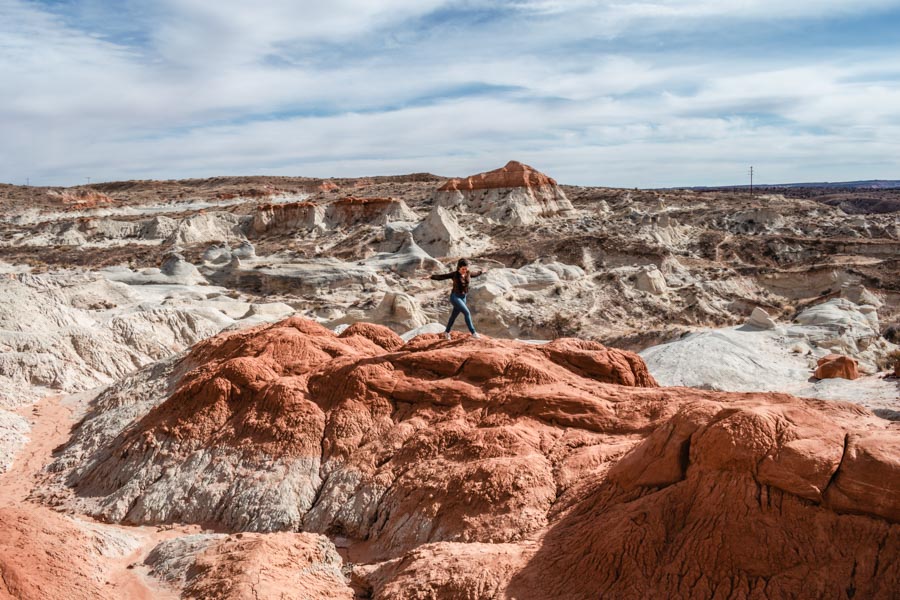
(460, 279)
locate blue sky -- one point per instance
(631, 94)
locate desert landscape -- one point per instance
(239, 387)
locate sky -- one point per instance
(646, 94)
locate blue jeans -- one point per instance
(459, 306)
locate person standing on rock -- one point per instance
(460, 279)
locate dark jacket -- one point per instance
(460, 281)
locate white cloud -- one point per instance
(341, 89)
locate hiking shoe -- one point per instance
(475, 335)
(447, 334)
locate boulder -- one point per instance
(244, 250)
(760, 319)
(217, 254)
(836, 365)
(651, 281)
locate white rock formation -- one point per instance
(298, 216)
(860, 295)
(399, 311)
(745, 359)
(441, 235)
(351, 211)
(214, 226)
(408, 259)
(651, 280)
(760, 319)
(68, 331)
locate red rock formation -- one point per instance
(378, 414)
(737, 500)
(380, 336)
(478, 468)
(837, 365)
(46, 555)
(514, 174)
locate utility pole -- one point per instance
(88, 180)
(751, 182)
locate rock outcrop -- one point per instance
(287, 217)
(515, 193)
(400, 312)
(216, 226)
(478, 468)
(351, 210)
(67, 332)
(408, 259)
(768, 486)
(265, 401)
(441, 235)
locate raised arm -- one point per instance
(441, 276)
(478, 273)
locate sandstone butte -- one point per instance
(491, 468)
(513, 175)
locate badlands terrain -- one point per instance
(236, 388)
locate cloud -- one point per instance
(592, 92)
